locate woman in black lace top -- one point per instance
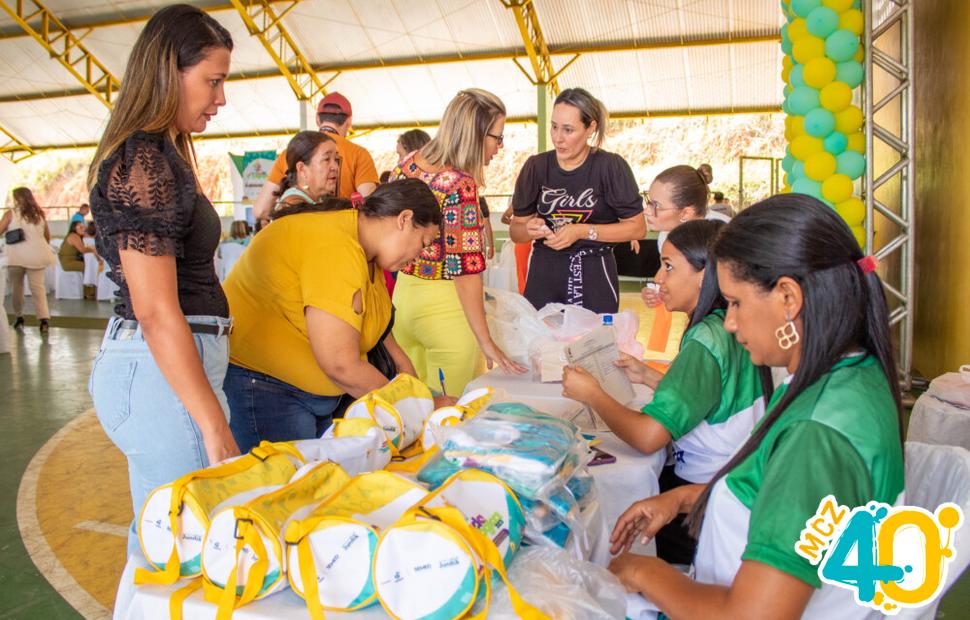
(157, 381)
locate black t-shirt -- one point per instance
(145, 199)
(601, 191)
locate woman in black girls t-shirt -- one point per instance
(573, 203)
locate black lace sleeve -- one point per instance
(147, 194)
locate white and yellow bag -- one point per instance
(432, 564)
(467, 406)
(175, 516)
(331, 550)
(400, 408)
(360, 448)
(243, 556)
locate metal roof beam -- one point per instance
(13, 148)
(63, 45)
(443, 59)
(527, 19)
(290, 131)
(266, 25)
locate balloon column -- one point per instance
(822, 66)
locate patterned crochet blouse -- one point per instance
(146, 200)
(459, 248)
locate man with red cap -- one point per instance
(357, 170)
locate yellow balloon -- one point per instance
(860, 55)
(820, 166)
(837, 188)
(784, 75)
(797, 29)
(786, 189)
(857, 142)
(797, 125)
(853, 211)
(804, 146)
(837, 5)
(836, 96)
(852, 20)
(849, 120)
(807, 48)
(819, 72)
(859, 232)
(786, 62)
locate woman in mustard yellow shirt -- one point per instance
(308, 296)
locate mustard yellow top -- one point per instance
(308, 259)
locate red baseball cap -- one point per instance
(335, 103)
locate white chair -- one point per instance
(49, 275)
(936, 474)
(107, 290)
(68, 284)
(230, 252)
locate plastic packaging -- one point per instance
(562, 586)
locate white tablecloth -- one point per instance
(90, 269)
(634, 476)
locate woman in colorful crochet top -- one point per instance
(439, 297)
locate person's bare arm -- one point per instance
(401, 359)
(366, 189)
(471, 294)
(263, 205)
(5, 221)
(336, 347)
(625, 230)
(153, 286)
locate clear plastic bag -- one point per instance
(562, 586)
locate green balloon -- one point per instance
(787, 162)
(785, 40)
(835, 143)
(803, 7)
(821, 22)
(797, 75)
(798, 170)
(808, 187)
(819, 122)
(850, 72)
(851, 164)
(841, 45)
(802, 100)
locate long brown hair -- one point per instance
(174, 39)
(24, 201)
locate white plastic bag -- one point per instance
(562, 586)
(514, 324)
(500, 272)
(570, 323)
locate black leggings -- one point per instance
(674, 543)
(549, 276)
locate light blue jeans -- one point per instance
(141, 414)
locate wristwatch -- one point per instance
(591, 233)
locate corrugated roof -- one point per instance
(636, 78)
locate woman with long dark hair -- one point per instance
(310, 307)
(800, 295)
(157, 381)
(29, 255)
(708, 401)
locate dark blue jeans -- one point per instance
(263, 408)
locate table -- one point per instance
(634, 476)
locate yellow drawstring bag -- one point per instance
(175, 516)
(330, 551)
(243, 556)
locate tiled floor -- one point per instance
(43, 386)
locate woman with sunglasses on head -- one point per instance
(801, 295)
(708, 401)
(572, 203)
(678, 194)
(440, 297)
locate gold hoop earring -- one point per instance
(787, 335)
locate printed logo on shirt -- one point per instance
(892, 557)
(557, 202)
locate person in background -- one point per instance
(800, 295)
(708, 401)
(410, 141)
(28, 256)
(678, 194)
(239, 233)
(440, 296)
(572, 203)
(385, 177)
(721, 205)
(80, 216)
(157, 380)
(487, 228)
(312, 315)
(72, 251)
(357, 171)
